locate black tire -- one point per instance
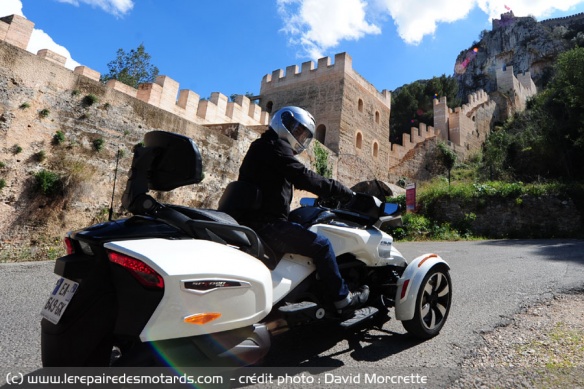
(432, 304)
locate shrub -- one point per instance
(48, 183)
(401, 200)
(321, 164)
(16, 149)
(24, 105)
(98, 144)
(40, 156)
(44, 113)
(73, 170)
(58, 138)
(2, 183)
(419, 227)
(89, 100)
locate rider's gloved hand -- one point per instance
(346, 198)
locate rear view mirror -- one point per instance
(307, 202)
(390, 208)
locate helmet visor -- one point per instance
(301, 134)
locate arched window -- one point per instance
(359, 140)
(269, 106)
(375, 149)
(321, 133)
(360, 105)
(377, 117)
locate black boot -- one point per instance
(354, 300)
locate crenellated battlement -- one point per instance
(293, 75)
(163, 93)
(474, 100)
(416, 136)
(343, 63)
(564, 20)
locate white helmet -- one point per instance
(295, 126)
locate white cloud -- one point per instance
(40, 40)
(319, 25)
(10, 7)
(114, 7)
(415, 19)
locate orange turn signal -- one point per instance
(202, 318)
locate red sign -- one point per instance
(411, 197)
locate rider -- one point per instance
(271, 165)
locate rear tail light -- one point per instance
(147, 276)
(69, 245)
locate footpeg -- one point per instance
(302, 312)
(359, 316)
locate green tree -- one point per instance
(567, 95)
(132, 68)
(448, 157)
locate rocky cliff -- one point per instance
(521, 42)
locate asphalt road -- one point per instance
(492, 280)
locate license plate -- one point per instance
(59, 299)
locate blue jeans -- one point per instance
(287, 237)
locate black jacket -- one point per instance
(271, 165)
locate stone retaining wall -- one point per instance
(522, 217)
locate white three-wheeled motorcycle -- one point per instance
(191, 287)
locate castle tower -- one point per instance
(352, 116)
(441, 118)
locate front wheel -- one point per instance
(432, 304)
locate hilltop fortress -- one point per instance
(352, 115)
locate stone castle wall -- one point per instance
(563, 21)
(464, 129)
(40, 97)
(518, 88)
(352, 115)
(164, 93)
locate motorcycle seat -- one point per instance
(236, 238)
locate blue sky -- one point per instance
(228, 46)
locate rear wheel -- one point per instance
(432, 304)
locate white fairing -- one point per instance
(415, 272)
(180, 261)
(372, 246)
(290, 272)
